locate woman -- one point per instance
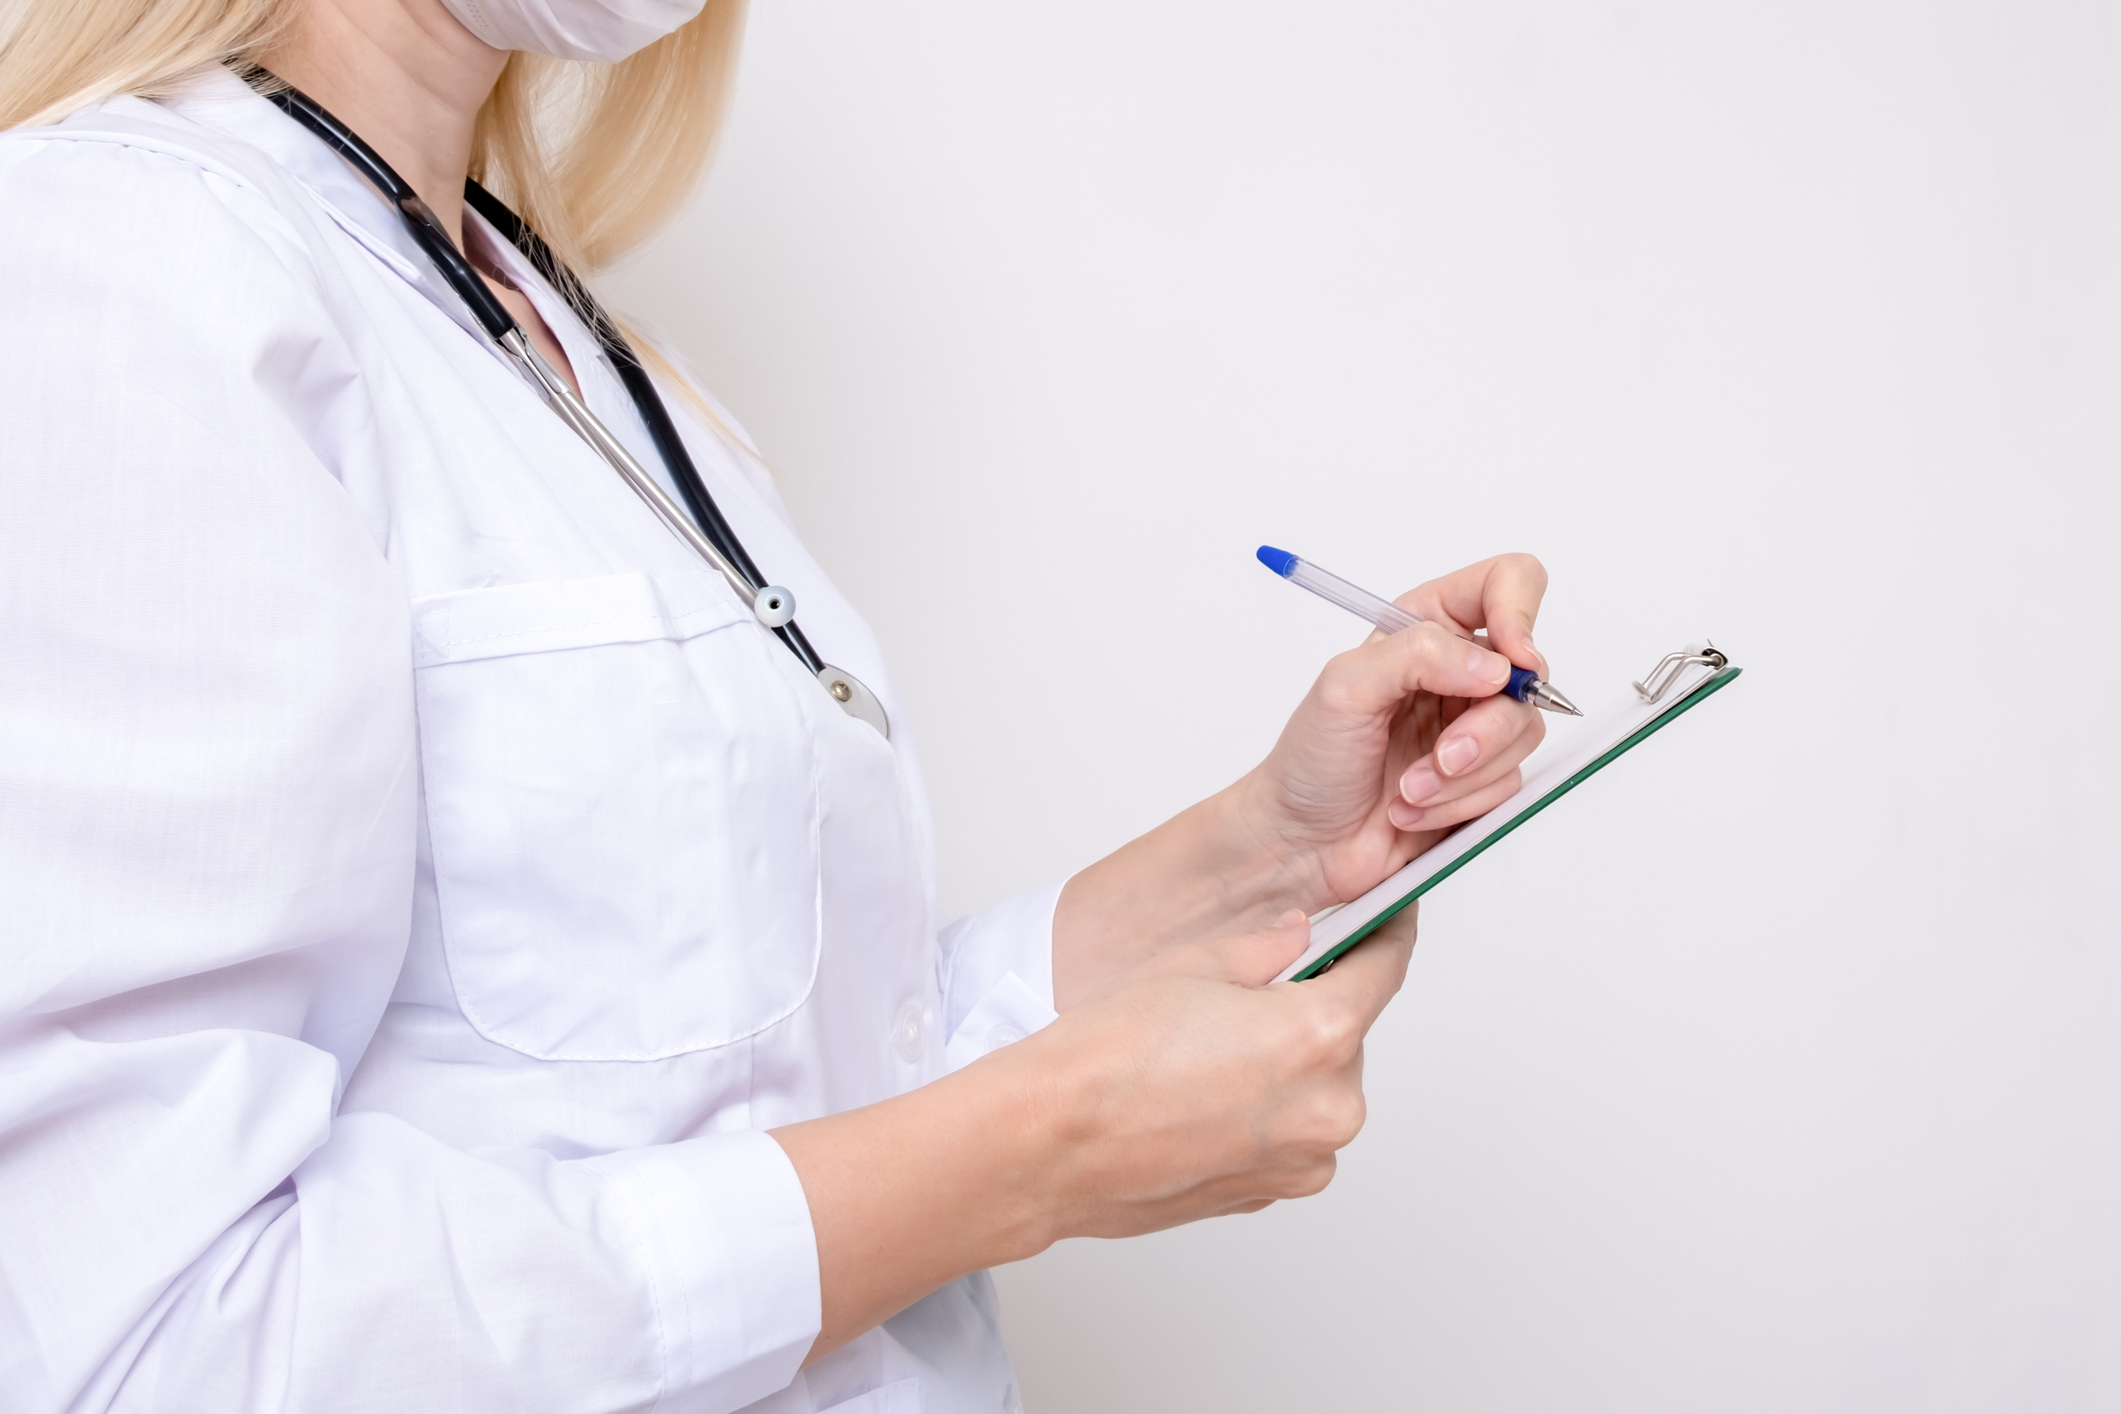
(460, 958)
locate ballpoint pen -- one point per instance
(1524, 684)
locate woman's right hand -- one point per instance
(1189, 1087)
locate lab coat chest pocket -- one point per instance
(622, 799)
(898, 1397)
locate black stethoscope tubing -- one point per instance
(498, 323)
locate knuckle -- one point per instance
(1529, 566)
(1339, 1115)
(1432, 639)
(1490, 726)
(1333, 1035)
(1339, 683)
(1312, 1177)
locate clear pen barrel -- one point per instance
(1326, 585)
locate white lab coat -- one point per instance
(422, 882)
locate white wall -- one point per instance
(1780, 1070)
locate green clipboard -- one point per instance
(1681, 682)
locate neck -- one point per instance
(406, 76)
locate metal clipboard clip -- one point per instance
(1660, 679)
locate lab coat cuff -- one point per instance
(998, 975)
(725, 1231)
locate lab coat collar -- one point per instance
(222, 103)
(599, 382)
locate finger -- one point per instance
(1501, 595)
(1407, 815)
(1445, 814)
(1369, 974)
(1376, 678)
(1497, 730)
(1255, 959)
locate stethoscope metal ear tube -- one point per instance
(587, 425)
(771, 604)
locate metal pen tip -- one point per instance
(1547, 699)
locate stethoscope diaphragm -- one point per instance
(855, 700)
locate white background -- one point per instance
(1780, 1070)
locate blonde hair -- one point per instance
(595, 157)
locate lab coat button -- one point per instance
(1002, 1035)
(908, 1032)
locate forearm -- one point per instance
(1211, 870)
(1187, 1090)
(914, 1192)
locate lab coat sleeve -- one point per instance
(997, 975)
(207, 829)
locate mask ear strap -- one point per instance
(646, 400)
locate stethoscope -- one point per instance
(705, 529)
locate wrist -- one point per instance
(1017, 1110)
(1218, 867)
(1268, 872)
(1050, 1091)
(913, 1192)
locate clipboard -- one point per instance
(1680, 682)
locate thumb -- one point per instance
(1255, 959)
(1509, 604)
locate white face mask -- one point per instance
(604, 31)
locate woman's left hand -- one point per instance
(1398, 740)
(1405, 736)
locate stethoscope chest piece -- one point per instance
(855, 700)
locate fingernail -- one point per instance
(1419, 783)
(1454, 754)
(1403, 815)
(1488, 667)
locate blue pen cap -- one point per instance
(1279, 561)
